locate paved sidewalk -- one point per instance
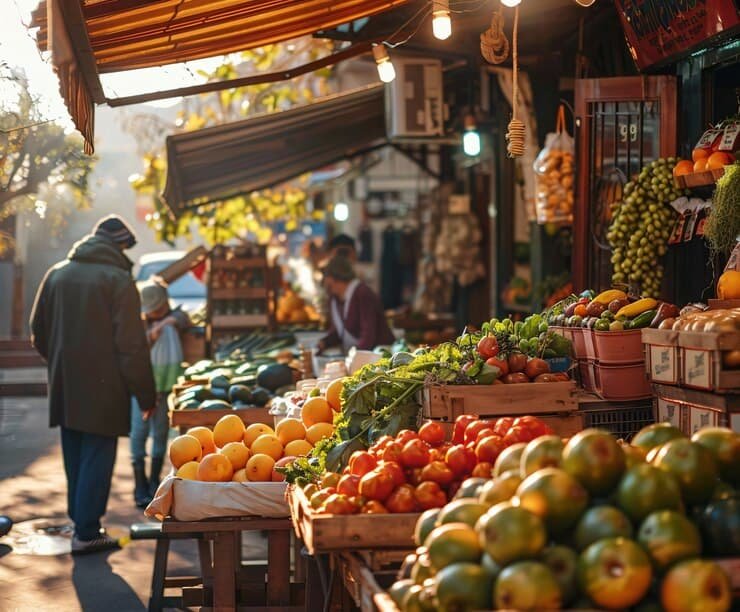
(33, 486)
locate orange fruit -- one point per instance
(267, 444)
(205, 436)
(229, 428)
(259, 468)
(188, 471)
(316, 410)
(254, 431)
(718, 160)
(318, 431)
(298, 448)
(700, 165)
(333, 393)
(183, 449)
(288, 430)
(683, 167)
(698, 154)
(237, 453)
(240, 476)
(728, 287)
(215, 468)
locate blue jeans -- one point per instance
(158, 425)
(88, 463)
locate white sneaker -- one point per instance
(98, 544)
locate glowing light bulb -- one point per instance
(341, 211)
(511, 3)
(441, 22)
(471, 143)
(585, 2)
(386, 71)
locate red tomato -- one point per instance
(348, 484)
(517, 378)
(461, 460)
(518, 434)
(339, 504)
(461, 424)
(487, 347)
(405, 435)
(415, 453)
(502, 425)
(392, 452)
(402, 500)
(517, 362)
(437, 471)
(413, 476)
(489, 448)
(358, 500)
(383, 441)
(429, 495)
(373, 507)
(377, 484)
(535, 367)
(432, 433)
(501, 364)
(395, 470)
(472, 430)
(484, 433)
(482, 470)
(361, 462)
(535, 425)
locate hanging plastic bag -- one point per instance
(166, 356)
(555, 176)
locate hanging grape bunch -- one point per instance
(641, 225)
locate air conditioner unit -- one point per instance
(415, 99)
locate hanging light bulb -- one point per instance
(441, 22)
(471, 137)
(585, 2)
(511, 3)
(386, 71)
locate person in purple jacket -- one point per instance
(355, 311)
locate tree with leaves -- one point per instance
(249, 214)
(42, 168)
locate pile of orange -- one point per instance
(235, 452)
(704, 160)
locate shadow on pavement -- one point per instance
(98, 587)
(4, 550)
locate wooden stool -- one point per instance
(160, 580)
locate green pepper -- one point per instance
(608, 315)
(543, 327)
(601, 325)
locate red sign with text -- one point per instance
(659, 29)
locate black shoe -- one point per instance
(99, 544)
(141, 485)
(155, 475)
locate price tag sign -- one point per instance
(697, 368)
(701, 417)
(663, 363)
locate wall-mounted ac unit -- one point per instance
(415, 99)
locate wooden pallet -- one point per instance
(326, 533)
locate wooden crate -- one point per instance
(193, 346)
(691, 409)
(447, 402)
(185, 419)
(662, 356)
(326, 533)
(701, 359)
(365, 583)
(183, 265)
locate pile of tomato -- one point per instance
(417, 471)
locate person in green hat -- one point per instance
(163, 327)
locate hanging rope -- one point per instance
(494, 46)
(515, 135)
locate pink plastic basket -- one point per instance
(579, 342)
(621, 382)
(617, 348)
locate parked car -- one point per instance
(187, 291)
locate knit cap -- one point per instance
(116, 229)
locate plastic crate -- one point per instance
(623, 422)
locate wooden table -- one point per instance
(226, 573)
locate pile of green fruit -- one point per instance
(588, 523)
(641, 226)
(223, 385)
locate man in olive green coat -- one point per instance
(86, 324)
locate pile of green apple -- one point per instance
(586, 523)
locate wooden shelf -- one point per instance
(237, 321)
(239, 264)
(237, 293)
